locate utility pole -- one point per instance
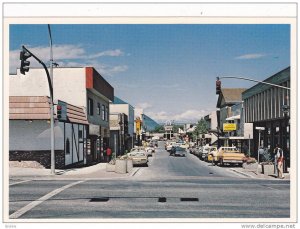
(51, 107)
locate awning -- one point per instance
(233, 118)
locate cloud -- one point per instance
(250, 56)
(191, 115)
(69, 56)
(143, 105)
(116, 52)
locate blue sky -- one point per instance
(169, 70)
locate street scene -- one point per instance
(169, 187)
(149, 121)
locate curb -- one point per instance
(244, 174)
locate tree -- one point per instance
(201, 128)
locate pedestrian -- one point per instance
(108, 153)
(275, 159)
(280, 159)
(261, 152)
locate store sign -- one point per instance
(229, 127)
(168, 128)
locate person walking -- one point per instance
(108, 153)
(275, 159)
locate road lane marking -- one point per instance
(20, 182)
(37, 202)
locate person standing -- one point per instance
(108, 153)
(261, 152)
(280, 159)
(275, 159)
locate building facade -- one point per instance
(81, 86)
(122, 107)
(229, 104)
(29, 134)
(268, 106)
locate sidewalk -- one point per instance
(257, 175)
(97, 171)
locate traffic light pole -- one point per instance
(52, 107)
(51, 104)
(243, 78)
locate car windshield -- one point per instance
(179, 149)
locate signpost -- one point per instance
(259, 130)
(229, 127)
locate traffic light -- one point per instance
(24, 55)
(61, 110)
(218, 86)
(58, 111)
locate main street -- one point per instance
(170, 187)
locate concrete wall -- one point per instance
(35, 135)
(31, 140)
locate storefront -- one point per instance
(268, 106)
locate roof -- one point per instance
(29, 107)
(38, 108)
(117, 100)
(230, 95)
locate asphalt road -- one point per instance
(170, 188)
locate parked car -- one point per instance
(204, 152)
(228, 155)
(192, 149)
(179, 151)
(138, 158)
(198, 151)
(143, 150)
(150, 149)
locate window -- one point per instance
(67, 146)
(80, 134)
(107, 113)
(90, 107)
(98, 109)
(103, 112)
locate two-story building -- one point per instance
(228, 103)
(80, 86)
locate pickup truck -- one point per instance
(228, 155)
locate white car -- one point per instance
(143, 150)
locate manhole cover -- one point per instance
(101, 199)
(162, 199)
(189, 199)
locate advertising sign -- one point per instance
(229, 127)
(168, 128)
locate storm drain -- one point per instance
(189, 199)
(162, 199)
(101, 199)
(211, 173)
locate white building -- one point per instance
(30, 139)
(80, 86)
